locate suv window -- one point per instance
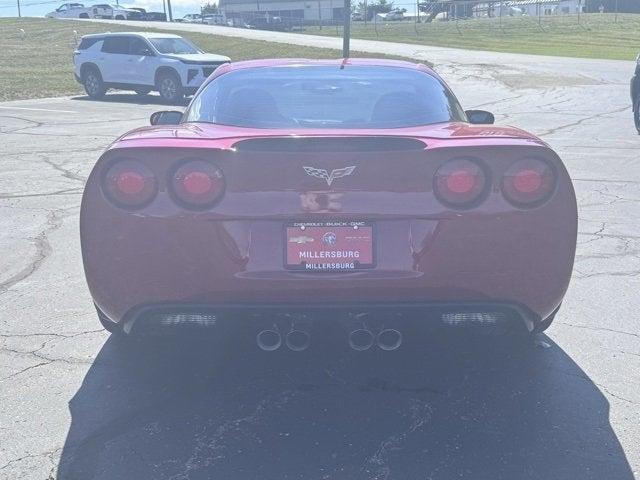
(116, 45)
(88, 42)
(139, 46)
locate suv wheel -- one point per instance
(636, 113)
(93, 84)
(169, 87)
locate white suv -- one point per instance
(142, 62)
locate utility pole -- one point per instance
(19, 13)
(169, 10)
(346, 31)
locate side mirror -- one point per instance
(480, 117)
(165, 117)
(148, 53)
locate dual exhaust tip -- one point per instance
(360, 339)
(387, 339)
(296, 340)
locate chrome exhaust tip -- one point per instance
(269, 340)
(361, 339)
(298, 340)
(389, 339)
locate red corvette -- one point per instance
(295, 196)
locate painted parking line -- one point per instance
(4, 107)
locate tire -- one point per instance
(636, 113)
(142, 91)
(93, 84)
(170, 88)
(546, 323)
(120, 17)
(108, 325)
(83, 15)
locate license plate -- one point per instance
(329, 246)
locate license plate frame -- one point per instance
(349, 236)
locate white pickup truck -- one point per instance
(116, 12)
(71, 10)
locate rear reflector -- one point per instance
(197, 184)
(130, 184)
(481, 319)
(194, 319)
(160, 323)
(528, 183)
(460, 183)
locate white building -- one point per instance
(307, 11)
(529, 7)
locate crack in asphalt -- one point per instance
(66, 173)
(43, 250)
(551, 131)
(66, 191)
(211, 448)
(603, 329)
(377, 467)
(46, 360)
(50, 455)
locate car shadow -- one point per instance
(467, 408)
(150, 99)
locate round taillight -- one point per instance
(197, 184)
(460, 183)
(528, 183)
(130, 184)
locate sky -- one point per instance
(38, 8)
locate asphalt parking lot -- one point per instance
(77, 404)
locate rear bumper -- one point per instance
(239, 263)
(494, 316)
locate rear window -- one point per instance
(325, 97)
(88, 42)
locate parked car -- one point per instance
(298, 201)
(70, 10)
(393, 15)
(635, 94)
(357, 17)
(270, 23)
(214, 19)
(143, 62)
(116, 12)
(190, 18)
(151, 16)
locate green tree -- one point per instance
(209, 8)
(374, 7)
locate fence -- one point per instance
(403, 18)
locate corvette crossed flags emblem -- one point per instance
(329, 177)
